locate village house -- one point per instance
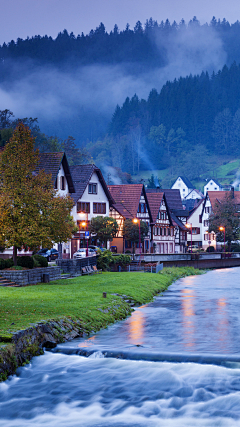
(163, 237)
(183, 185)
(92, 198)
(212, 185)
(194, 236)
(130, 201)
(209, 238)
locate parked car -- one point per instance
(194, 248)
(96, 248)
(81, 253)
(50, 254)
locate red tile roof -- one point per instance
(127, 198)
(154, 200)
(219, 196)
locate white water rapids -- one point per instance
(69, 390)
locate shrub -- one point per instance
(2, 264)
(9, 263)
(40, 260)
(210, 249)
(122, 259)
(128, 252)
(25, 261)
(104, 260)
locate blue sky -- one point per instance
(22, 18)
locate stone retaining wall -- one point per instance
(74, 266)
(31, 277)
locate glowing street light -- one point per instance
(189, 226)
(223, 229)
(84, 223)
(136, 220)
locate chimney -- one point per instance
(232, 192)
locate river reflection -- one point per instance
(188, 325)
(197, 314)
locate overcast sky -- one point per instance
(22, 18)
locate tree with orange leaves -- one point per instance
(30, 209)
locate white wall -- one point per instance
(60, 174)
(100, 197)
(180, 185)
(211, 186)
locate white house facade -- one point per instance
(212, 185)
(183, 185)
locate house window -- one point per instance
(160, 231)
(169, 232)
(163, 215)
(165, 231)
(92, 188)
(208, 209)
(170, 248)
(207, 236)
(206, 223)
(83, 207)
(99, 208)
(62, 183)
(56, 184)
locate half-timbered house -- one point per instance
(92, 198)
(130, 201)
(163, 237)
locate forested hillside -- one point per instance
(190, 120)
(74, 82)
(145, 44)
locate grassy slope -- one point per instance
(81, 298)
(225, 173)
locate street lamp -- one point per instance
(189, 226)
(135, 220)
(84, 224)
(223, 229)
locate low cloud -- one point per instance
(80, 102)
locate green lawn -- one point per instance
(81, 298)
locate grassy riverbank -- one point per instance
(81, 299)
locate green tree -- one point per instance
(226, 214)
(30, 210)
(104, 227)
(131, 231)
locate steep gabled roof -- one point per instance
(214, 180)
(127, 198)
(219, 196)
(173, 198)
(197, 191)
(154, 200)
(186, 181)
(51, 163)
(191, 212)
(81, 175)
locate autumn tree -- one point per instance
(31, 213)
(131, 231)
(226, 214)
(105, 228)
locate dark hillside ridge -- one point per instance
(206, 108)
(130, 46)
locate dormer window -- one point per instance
(92, 188)
(62, 183)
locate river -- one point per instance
(131, 376)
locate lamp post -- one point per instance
(223, 229)
(136, 220)
(84, 224)
(189, 226)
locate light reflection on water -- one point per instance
(197, 314)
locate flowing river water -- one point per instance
(174, 362)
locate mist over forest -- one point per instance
(158, 91)
(73, 83)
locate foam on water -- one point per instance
(68, 391)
